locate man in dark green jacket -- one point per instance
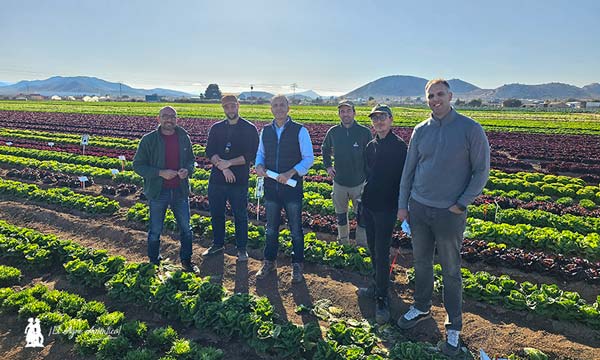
(347, 141)
(165, 160)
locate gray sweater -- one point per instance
(448, 162)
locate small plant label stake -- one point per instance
(9, 143)
(259, 190)
(83, 179)
(85, 138)
(51, 144)
(114, 172)
(122, 158)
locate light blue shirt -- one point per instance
(306, 149)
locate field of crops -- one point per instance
(72, 253)
(559, 121)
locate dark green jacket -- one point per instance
(348, 146)
(149, 159)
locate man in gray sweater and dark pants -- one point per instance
(446, 168)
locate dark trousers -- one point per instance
(438, 228)
(237, 195)
(379, 226)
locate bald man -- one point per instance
(284, 148)
(165, 160)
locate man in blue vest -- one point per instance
(284, 155)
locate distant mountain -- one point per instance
(396, 86)
(593, 89)
(3, 83)
(257, 94)
(308, 94)
(459, 87)
(541, 92)
(82, 85)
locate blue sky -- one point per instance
(331, 47)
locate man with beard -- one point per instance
(164, 158)
(446, 168)
(231, 147)
(347, 141)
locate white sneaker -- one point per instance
(452, 337)
(450, 347)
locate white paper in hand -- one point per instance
(273, 175)
(405, 227)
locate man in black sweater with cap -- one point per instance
(384, 158)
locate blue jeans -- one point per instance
(293, 211)
(180, 206)
(238, 199)
(438, 228)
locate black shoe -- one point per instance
(189, 266)
(382, 311)
(213, 250)
(157, 261)
(412, 317)
(366, 292)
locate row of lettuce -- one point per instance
(526, 185)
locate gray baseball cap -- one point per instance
(381, 109)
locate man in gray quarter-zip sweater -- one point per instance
(447, 166)
(347, 141)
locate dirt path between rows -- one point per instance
(497, 330)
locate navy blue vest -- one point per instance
(281, 156)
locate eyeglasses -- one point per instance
(168, 116)
(379, 117)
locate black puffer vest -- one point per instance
(281, 156)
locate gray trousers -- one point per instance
(438, 228)
(342, 195)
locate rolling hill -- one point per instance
(82, 85)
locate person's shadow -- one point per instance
(302, 297)
(213, 267)
(241, 277)
(269, 288)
